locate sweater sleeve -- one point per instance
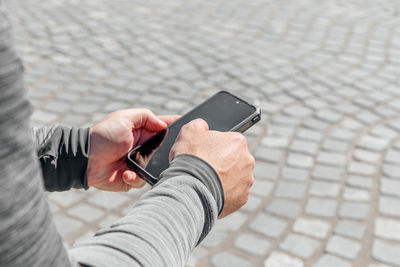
(164, 226)
(63, 154)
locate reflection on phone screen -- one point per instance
(145, 151)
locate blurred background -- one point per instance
(324, 72)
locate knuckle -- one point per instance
(252, 161)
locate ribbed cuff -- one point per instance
(65, 159)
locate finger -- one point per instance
(168, 119)
(131, 178)
(198, 124)
(144, 118)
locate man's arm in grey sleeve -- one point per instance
(165, 225)
(63, 153)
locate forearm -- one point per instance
(165, 225)
(63, 153)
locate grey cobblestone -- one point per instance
(294, 174)
(312, 227)
(387, 228)
(252, 244)
(301, 246)
(284, 208)
(331, 261)
(268, 225)
(343, 247)
(350, 229)
(266, 171)
(353, 210)
(290, 190)
(386, 252)
(389, 206)
(321, 207)
(86, 212)
(324, 189)
(277, 259)
(228, 259)
(261, 188)
(327, 173)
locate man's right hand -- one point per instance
(227, 153)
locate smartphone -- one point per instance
(223, 112)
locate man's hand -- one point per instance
(227, 153)
(111, 139)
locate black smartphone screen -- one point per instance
(223, 112)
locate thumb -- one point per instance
(144, 118)
(198, 124)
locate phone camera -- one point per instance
(237, 102)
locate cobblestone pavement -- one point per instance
(325, 73)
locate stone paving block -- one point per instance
(251, 243)
(86, 212)
(275, 141)
(302, 146)
(390, 187)
(268, 154)
(334, 159)
(108, 200)
(350, 193)
(384, 132)
(278, 259)
(362, 169)
(66, 225)
(294, 174)
(307, 134)
(66, 198)
(231, 223)
(327, 260)
(342, 134)
(328, 116)
(386, 252)
(389, 206)
(266, 171)
(373, 143)
(290, 190)
(324, 189)
(252, 204)
(44, 118)
(350, 229)
(268, 225)
(261, 188)
(301, 246)
(312, 227)
(387, 228)
(283, 208)
(343, 247)
(327, 173)
(300, 160)
(223, 259)
(393, 171)
(335, 145)
(392, 156)
(359, 182)
(321, 207)
(214, 238)
(353, 210)
(316, 124)
(367, 156)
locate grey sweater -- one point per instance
(161, 229)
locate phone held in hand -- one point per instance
(223, 112)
